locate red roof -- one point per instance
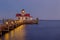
(21, 15)
(27, 15)
(18, 15)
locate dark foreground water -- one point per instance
(45, 30)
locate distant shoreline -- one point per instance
(49, 20)
(40, 20)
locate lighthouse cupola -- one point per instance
(22, 12)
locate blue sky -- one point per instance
(43, 9)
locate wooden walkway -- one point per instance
(10, 25)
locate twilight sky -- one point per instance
(43, 9)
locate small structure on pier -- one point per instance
(23, 15)
(27, 18)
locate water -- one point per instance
(45, 30)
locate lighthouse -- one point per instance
(23, 15)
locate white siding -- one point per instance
(31, 18)
(24, 18)
(28, 18)
(20, 18)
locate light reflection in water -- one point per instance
(16, 34)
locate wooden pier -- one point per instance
(9, 25)
(12, 24)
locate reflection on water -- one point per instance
(16, 34)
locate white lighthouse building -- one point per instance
(23, 15)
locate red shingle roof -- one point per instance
(21, 15)
(18, 15)
(27, 15)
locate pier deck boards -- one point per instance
(10, 26)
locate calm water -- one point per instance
(45, 30)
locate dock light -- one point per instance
(6, 22)
(12, 22)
